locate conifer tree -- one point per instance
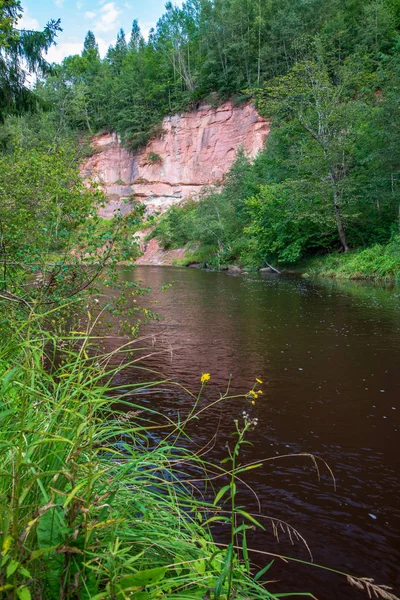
(21, 52)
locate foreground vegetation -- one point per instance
(91, 505)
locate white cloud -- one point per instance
(58, 53)
(79, 5)
(59, 3)
(89, 14)
(109, 18)
(104, 45)
(28, 22)
(145, 27)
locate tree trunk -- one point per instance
(338, 217)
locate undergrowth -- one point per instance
(379, 263)
(92, 506)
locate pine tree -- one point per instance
(116, 55)
(21, 52)
(90, 46)
(136, 40)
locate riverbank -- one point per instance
(96, 503)
(380, 263)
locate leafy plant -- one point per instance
(153, 158)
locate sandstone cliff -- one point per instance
(195, 150)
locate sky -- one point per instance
(103, 17)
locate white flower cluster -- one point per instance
(248, 420)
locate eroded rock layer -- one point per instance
(195, 150)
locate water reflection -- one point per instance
(329, 357)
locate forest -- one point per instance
(326, 73)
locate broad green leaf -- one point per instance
(50, 534)
(12, 567)
(143, 578)
(7, 544)
(24, 593)
(200, 566)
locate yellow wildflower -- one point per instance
(253, 394)
(259, 381)
(260, 391)
(253, 402)
(205, 377)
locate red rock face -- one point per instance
(196, 150)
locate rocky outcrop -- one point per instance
(195, 150)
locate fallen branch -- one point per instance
(272, 268)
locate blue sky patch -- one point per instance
(103, 17)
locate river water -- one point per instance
(329, 357)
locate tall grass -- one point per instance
(377, 263)
(90, 506)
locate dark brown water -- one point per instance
(329, 357)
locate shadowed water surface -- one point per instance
(329, 357)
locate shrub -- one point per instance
(153, 158)
(379, 262)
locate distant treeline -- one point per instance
(212, 50)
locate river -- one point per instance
(329, 357)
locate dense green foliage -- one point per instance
(53, 245)
(379, 262)
(327, 73)
(211, 50)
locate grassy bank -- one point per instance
(95, 503)
(379, 263)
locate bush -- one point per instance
(153, 158)
(283, 227)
